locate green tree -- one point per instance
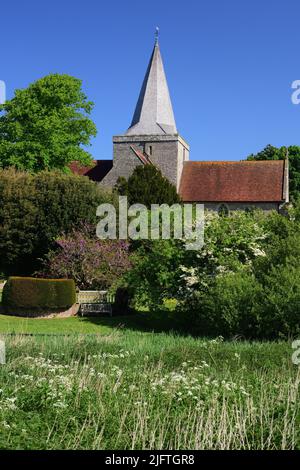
(45, 125)
(274, 153)
(148, 186)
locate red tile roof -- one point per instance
(245, 181)
(95, 172)
(143, 157)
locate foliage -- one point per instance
(155, 271)
(279, 308)
(148, 186)
(92, 263)
(227, 308)
(44, 126)
(26, 292)
(121, 305)
(231, 244)
(35, 209)
(274, 153)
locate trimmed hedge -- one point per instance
(28, 292)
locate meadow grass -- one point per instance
(141, 390)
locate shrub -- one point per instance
(227, 308)
(155, 272)
(279, 308)
(36, 209)
(27, 292)
(92, 263)
(121, 305)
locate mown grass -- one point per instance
(142, 390)
(22, 325)
(70, 325)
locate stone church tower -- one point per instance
(152, 137)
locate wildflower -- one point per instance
(60, 404)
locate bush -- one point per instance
(227, 308)
(279, 308)
(155, 273)
(27, 292)
(92, 263)
(121, 305)
(36, 209)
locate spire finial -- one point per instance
(156, 34)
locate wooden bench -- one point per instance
(94, 302)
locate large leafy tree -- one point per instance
(45, 125)
(275, 153)
(148, 186)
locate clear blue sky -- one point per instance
(229, 64)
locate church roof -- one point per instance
(245, 181)
(153, 113)
(96, 171)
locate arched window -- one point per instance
(223, 210)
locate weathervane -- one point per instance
(156, 34)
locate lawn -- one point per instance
(130, 389)
(62, 326)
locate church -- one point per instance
(153, 139)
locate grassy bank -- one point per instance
(139, 390)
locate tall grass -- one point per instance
(132, 390)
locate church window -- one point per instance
(150, 149)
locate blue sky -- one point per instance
(229, 64)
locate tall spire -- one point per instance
(153, 114)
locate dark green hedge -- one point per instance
(28, 292)
(36, 209)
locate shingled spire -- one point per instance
(153, 114)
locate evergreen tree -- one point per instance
(148, 186)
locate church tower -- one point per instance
(152, 137)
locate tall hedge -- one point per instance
(27, 292)
(36, 209)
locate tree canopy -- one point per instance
(44, 126)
